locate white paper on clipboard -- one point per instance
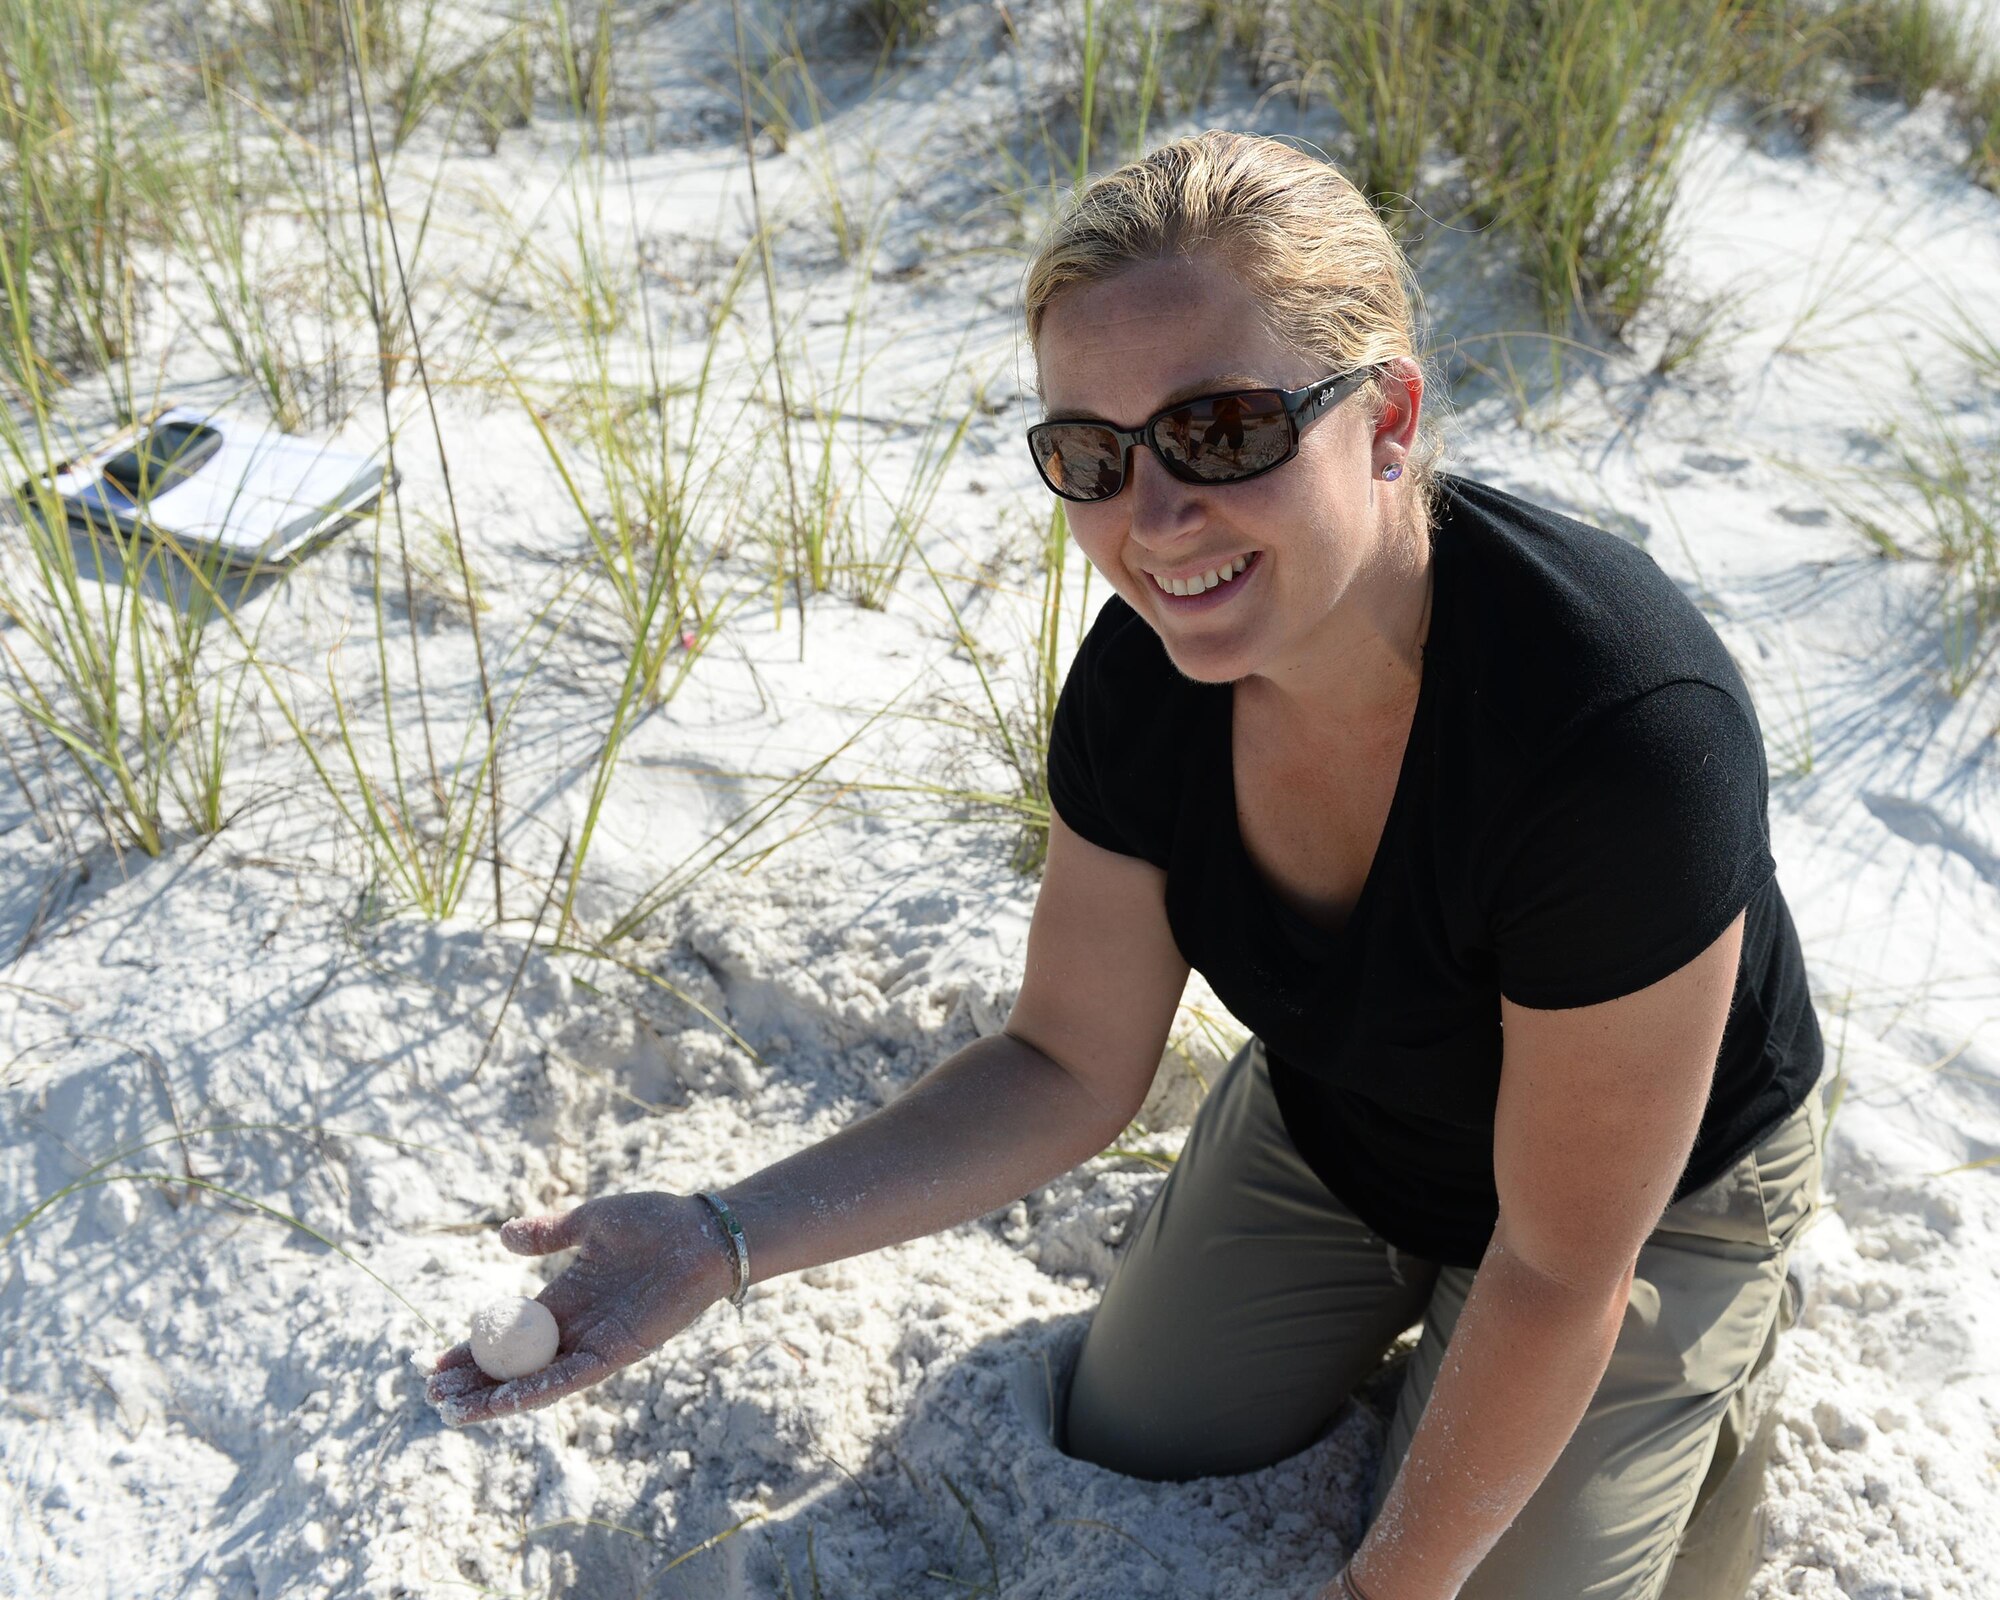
(259, 498)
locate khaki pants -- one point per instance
(1250, 1303)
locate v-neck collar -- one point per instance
(1309, 935)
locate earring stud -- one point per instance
(1392, 472)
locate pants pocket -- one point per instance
(1730, 1209)
(1767, 1197)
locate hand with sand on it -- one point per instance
(650, 1264)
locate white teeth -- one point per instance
(1208, 580)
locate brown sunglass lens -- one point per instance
(1079, 460)
(1228, 437)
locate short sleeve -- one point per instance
(1633, 851)
(1117, 757)
(1076, 759)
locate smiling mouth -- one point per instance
(1214, 578)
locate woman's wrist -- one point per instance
(720, 1270)
(1346, 1588)
(739, 1247)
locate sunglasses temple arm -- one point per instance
(1332, 395)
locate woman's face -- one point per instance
(1164, 331)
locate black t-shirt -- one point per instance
(1581, 810)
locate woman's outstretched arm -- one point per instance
(995, 1121)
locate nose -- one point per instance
(1162, 507)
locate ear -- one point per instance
(1402, 385)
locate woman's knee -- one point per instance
(1140, 1437)
(1244, 1306)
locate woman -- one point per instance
(1458, 804)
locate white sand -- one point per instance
(197, 1400)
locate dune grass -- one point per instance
(1011, 722)
(1563, 121)
(638, 441)
(118, 684)
(789, 107)
(1980, 111)
(221, 237)
(297, 47)
(1125, 63)
(858, 520)
(1937, 496)
(1785, 71)
(120, 201)
(1566, 121)
(106, 645)
(1571, 118)
(1906, 47)
(638, 459)
(1559, 124)
(893, 25)
(115, 688)
(105, 653)
(73, 173)
(1003, 733)
(1914, 48)
(1377, 64)
(418, 59)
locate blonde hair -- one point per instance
(1330, 279)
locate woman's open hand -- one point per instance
(650, 1264)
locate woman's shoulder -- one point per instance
(1605, 753)
(1554, 623)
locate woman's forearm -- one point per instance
(1522, 1365)
(983, 1128)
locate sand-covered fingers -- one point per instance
(488, 1400)
(459, 1355)
(459, 1381)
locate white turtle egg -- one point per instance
(513, 1337)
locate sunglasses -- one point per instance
(1216, 438)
